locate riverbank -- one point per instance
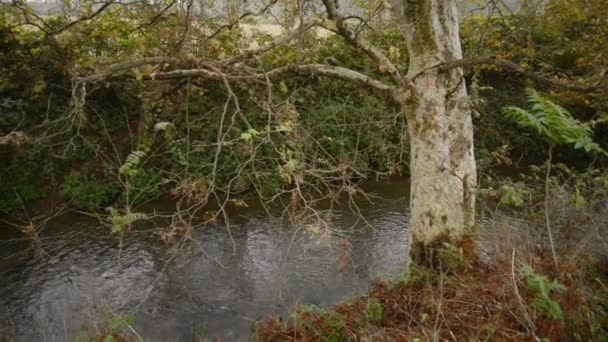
(526, 299)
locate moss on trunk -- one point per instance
(443, 253)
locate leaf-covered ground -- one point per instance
(483, 302)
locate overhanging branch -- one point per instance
(219, 71)
(516, 68)
(280, 73)
(118, 68)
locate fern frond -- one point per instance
(525, 118)
(120, 222)
(113, 212)
(553, 122)
(132, 217)
(132, 162)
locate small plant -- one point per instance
(327, 324)
(450, 257)
(118, 327)
(513, 195)
(374, 311)
(543, 289)
(139, 184)
(415, 275)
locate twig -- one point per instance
(547, 214)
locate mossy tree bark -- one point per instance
(442, 162)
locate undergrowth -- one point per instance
(485, 302)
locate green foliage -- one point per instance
(19, 182)
(327, 324)
(142, 185)
(415, 275)
(145, 186)
(31, 69)
(556, 38)
(513, 194)
(361, 131)
(328, 125)
(25, 175)
(543, 290)
(556, 41)
(84, 192)
(249, 134)
(554, 123)
(450, 257)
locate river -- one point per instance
(219, 287)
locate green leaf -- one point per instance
(245, 136)
(314, 229)
(543, 288)
(138, 75)
(250, 134)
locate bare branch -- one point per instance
(284, 72)
(156, 17)
(248, 54)
(384, 64)
(83, 19)
(239, 73)
(514, 67)
(116, 69)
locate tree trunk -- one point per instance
(442, 162)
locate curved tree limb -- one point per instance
(280, 73)
(219, 71)
(384, 64)
(116, 69)
(516, 68)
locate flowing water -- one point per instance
(222, 282)
(220, 287)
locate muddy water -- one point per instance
(220, 287)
